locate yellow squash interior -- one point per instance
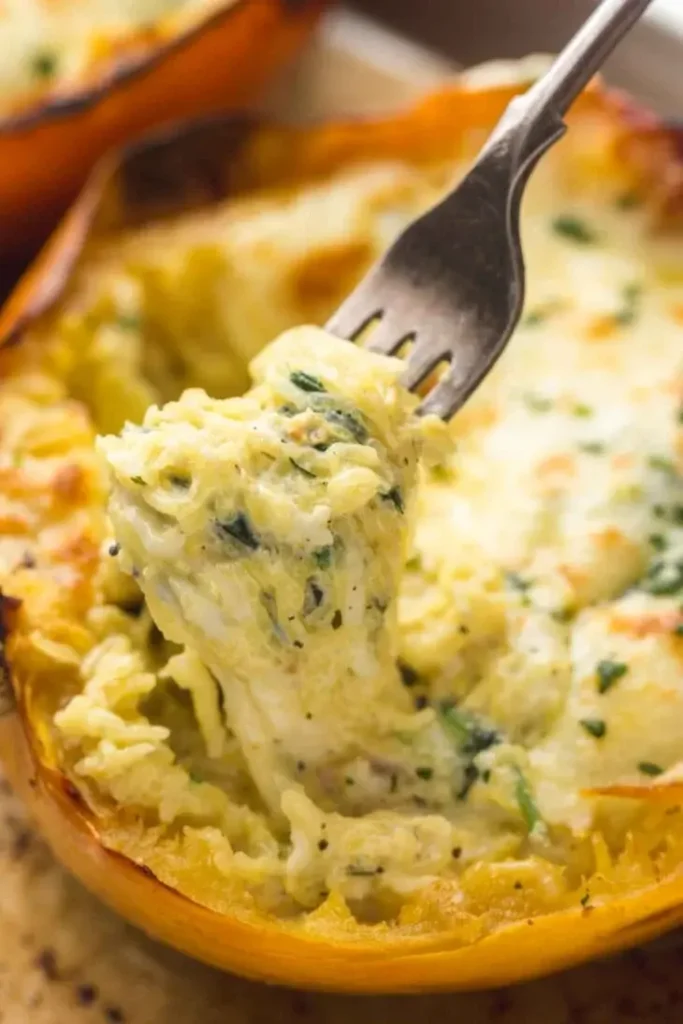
(541, 595)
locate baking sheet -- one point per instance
(64, 959)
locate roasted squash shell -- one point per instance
(195, 168)
(182, 68)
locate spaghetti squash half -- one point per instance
(313, 706)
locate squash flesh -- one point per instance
(491, 897)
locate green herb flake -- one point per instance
(238, 528)
(630, 304)
(585, 899)
(414, 563)
(337, 620)
(526, 803)
(536, 317)
(301, 469)
(323, 557)
(347, 422)
(657, 541)
(650, 768)
(582, 411)
(630, 200)
(536, 403)
(180, 481)
(128, 322)
(663, 579)
(574, 230)
(424, 773)
(661, 463)
(137, 480)
(608, 673)
(518, 582)
(306, 381)
(678, 630)
(592, 447)
(396, 498)
(44, 64)
(594, 727)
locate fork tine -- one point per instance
(449, 395)
(421, 361)
(388, 334)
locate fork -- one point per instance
(452, 284)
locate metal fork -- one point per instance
(453, 281)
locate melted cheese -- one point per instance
(538, 610)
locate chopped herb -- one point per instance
(306, 381)
(630, 303)
(471, 737)
(628, 201)
(536, 317)
(306, 472)
(663, 579)
(314, 596)
(470, 734)
(677, 514)
(323, 557)
(592, 447)
(678, 630)
(348, 781)
(657, 541)
(137, 480)
(337, 619)
(536, 403)
(595, 726)
(44, 64)
(608, 673)
(128, 322)
(662, 463)
(420, 702)
(348, 422)
(582, 411)
(456, 852)
(301, 766)
(440, 472)
(650, 768)
(414, 564)
(288, 409)
(526, 802)
(424, 773)
(195, 778)
(239, 529)
(574, 229)
(409, 677)
(518, 886)
(180, 481)
(395, 497)
(517, 582)
(585, 899)
(659, 511)
(323, 844)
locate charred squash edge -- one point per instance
(119, 99)
(200, 164)
(121, 69)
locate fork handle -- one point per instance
(584, 55)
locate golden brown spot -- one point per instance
(601, 327)
(662, 623)
(323, 277)
(556, 465)
(68, 484)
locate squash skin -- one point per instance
(263, 948)
(47, 150)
